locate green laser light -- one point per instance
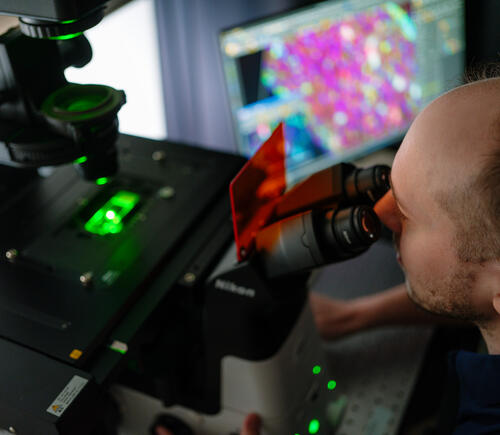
(317, 370)
(314, 426)
(109, 218)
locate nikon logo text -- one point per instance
(231, 287)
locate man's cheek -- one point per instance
(425, 256)
(414, 255)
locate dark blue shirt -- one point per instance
(479, 398)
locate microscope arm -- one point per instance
(44, 120)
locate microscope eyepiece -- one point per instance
(368, 185)
(340, 223)
(315, 238)
(353, 229)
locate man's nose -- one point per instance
(388, 212)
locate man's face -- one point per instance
(432, 160)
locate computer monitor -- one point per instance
(346, 77)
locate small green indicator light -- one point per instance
(119, 346)
(317, 370)
(314, 426)
(101, 181)
(80, 160)
(332, 385)
(64, 37)
(109, 218)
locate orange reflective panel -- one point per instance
(255, 190)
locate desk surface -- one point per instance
(376, 370)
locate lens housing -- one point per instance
(315, 238)
(367, 186)
(355, 228)
(87, 114)
(75, 104)
(60, 29)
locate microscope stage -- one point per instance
(80, 254)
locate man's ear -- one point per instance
(494, 277)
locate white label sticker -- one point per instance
(66, 396)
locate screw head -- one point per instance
(11, 254)
(86, 278)
(159, 156)
(189, 277)
(166, 192)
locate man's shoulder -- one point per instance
(478, 377)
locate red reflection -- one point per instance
(255, 190)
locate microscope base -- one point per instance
(284, 390)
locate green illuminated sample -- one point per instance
(317, 370)
(313, 426)
(332, 385)
(109, 218)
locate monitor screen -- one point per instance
(346, 77)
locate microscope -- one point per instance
(124, 271)
(262, 352)
(44, 119)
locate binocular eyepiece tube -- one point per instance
(336, 221)
(315, 238)
(367, 185)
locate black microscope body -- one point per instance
(112, 272)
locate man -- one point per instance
(444, 210)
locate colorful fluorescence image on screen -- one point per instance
(300, 144)
(355, 76)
